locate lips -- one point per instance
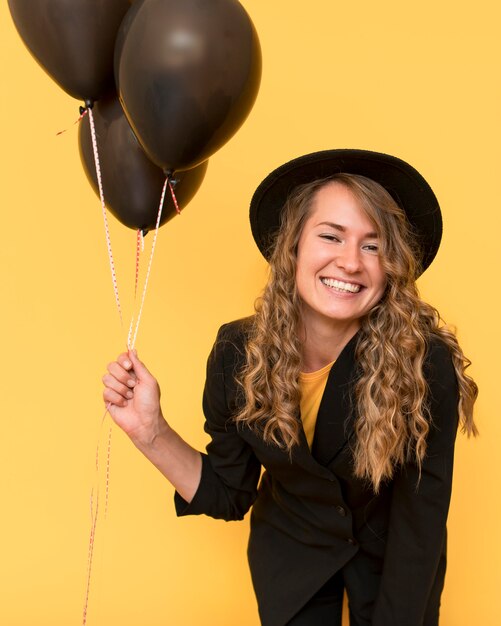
(340, 285)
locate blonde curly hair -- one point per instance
(391, 393)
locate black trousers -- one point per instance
(325, 608)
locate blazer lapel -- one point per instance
(335, 419)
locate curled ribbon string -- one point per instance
(94, 510)
(139, 248)
(88, 110)
(89, 560)
(174, 199)
(131, 338)
(108, 458)
(82, 115)
(105, 218)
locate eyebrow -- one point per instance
(342, 229)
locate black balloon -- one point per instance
(132, 184)
(188, 73)
(73, 40)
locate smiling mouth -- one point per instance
(340, 285)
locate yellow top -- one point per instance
(312, 389)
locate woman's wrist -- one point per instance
(147, 437)
(177, 460)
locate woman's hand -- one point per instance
(132, 396)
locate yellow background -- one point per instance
(419, 80)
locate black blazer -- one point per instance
(311, 517)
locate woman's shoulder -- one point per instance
(235, 333)
(226, 360)
(229, 347)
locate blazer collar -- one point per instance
(335, 419)
(336, 416)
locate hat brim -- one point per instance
(404, 183)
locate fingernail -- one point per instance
(131, 383)
(129, 394)
(127, 364)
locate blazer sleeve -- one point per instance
(414, 562)
(230, 470)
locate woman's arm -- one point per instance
(133, 398)
(221, 483)
(230, 469)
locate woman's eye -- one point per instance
(329, 237)
(372, 247)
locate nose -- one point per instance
(349, 258)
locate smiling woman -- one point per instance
(343, 386)
(339, 274)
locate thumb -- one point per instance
(138, 366)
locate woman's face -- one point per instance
(339, 275)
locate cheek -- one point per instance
(303, 266)
(381, 292)
(379, 279)
(308, 268)
(305, 277)
(379, 274)
(382, 281)
(300, 280)
(382, 288)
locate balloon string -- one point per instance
(105, 218)
(131, 339)
(89, 559)
(139, 248)
(94, 511)
(174, 199)
(108, 464)
(82, 115)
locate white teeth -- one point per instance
(340, 285)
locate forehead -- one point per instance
(335, 202)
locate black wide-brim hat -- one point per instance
(404, 183)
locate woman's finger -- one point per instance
(111, 382)
(124, 360)
(111, 396)
(139, 367)
(121, 374)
